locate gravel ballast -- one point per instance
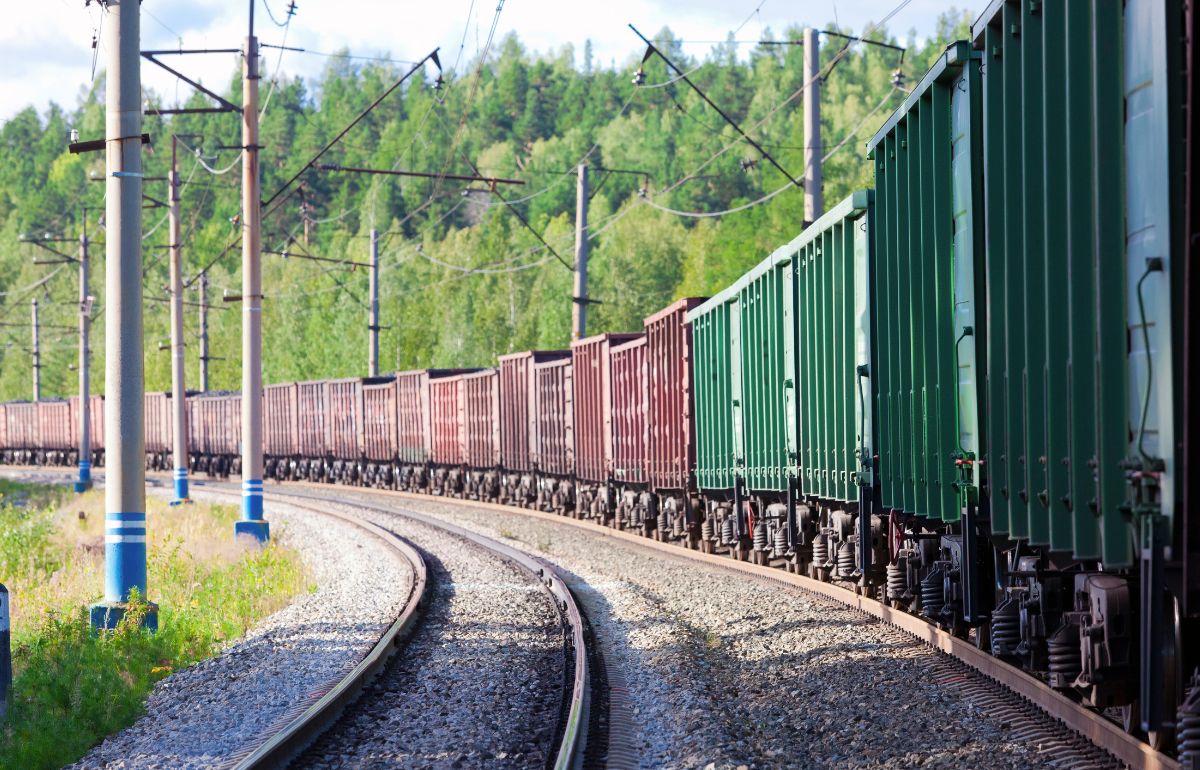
(199, 717)
(477, 685)
(726, 671)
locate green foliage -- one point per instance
(71, 686)
(462, 279)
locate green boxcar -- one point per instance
(1057, 389)
(712, 371)
(776, 366)
(831, 351)
(926, 286)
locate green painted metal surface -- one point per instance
(831, 343)
(712, 372)
(1057, 410)
(924, 289)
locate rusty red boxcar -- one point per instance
(55, 434)
(380, 434)
(345, 424)
(96, 421)
(446, 449)
(414, 429)
(592, 377)
(628, 363)
(553, 434)
(671, 426)
(280, 415)
(158, 430)
(518, 422)
(481, 434)
(215, 432)
(312, 432)
(22, 431)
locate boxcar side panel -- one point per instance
(629, 411)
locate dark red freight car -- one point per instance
(414, 429)
(481, 434)
(518, 424)
(671, 426)
(280, 428)
(592, 377)
(215, 432)
(633, 506)
(345, 423)
(380, 435)
(22, 418)
(55, 434)
(446, 435)
(96, 421)
(312, 430)
(157, 415)
(553, 434)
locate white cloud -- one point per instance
(46, 55)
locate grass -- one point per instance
(72, 687)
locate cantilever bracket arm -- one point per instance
(226, 105)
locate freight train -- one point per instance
(962, 392)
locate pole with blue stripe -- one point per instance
(124, 417)
(252, 523)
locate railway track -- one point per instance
(1041, 718)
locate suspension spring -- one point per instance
(820, 550)
(677, 523)
(1188, 726)
(932, 597)
(897, 582)
(727, 531)
(664, 522)
(1065, 658)
(761, 536)
(781, 544)
(845, 559)
(1006, 629)
(707, 531)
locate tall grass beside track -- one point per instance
(72, 687)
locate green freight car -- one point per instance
(784, 440)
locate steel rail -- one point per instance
(574, 725)
(1092, 725)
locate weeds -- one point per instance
(73, 687)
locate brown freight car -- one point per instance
(592, 378)
(518, 423)
(312, 430)
(158, 431)
(96, 421)
(22, 432)
(280, 430)
(671, 433)
(481, 434)
(553, 435)
(55, 438)
(214, 423)
(446, 450)
(632, 498)
(380, 437)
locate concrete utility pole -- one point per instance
(813, 149)
(579, 299)
(85, 355)
(203, 333)
(373, 324)
(178, 387)
(37, 354)
(125, 487)
(252, 522)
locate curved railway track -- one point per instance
(1092, 726)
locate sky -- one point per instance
(46, 46)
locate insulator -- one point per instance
(727, 531)
(845, 559)
(762, 538)
(1064, 653)
(1006, 628)
(897, 582)
(706, 529)
(1188, 726)
(820, 550)
(932, 592)
(781, 541)
(664, 522)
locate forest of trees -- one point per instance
(462, 279)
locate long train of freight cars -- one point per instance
(961, 392)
